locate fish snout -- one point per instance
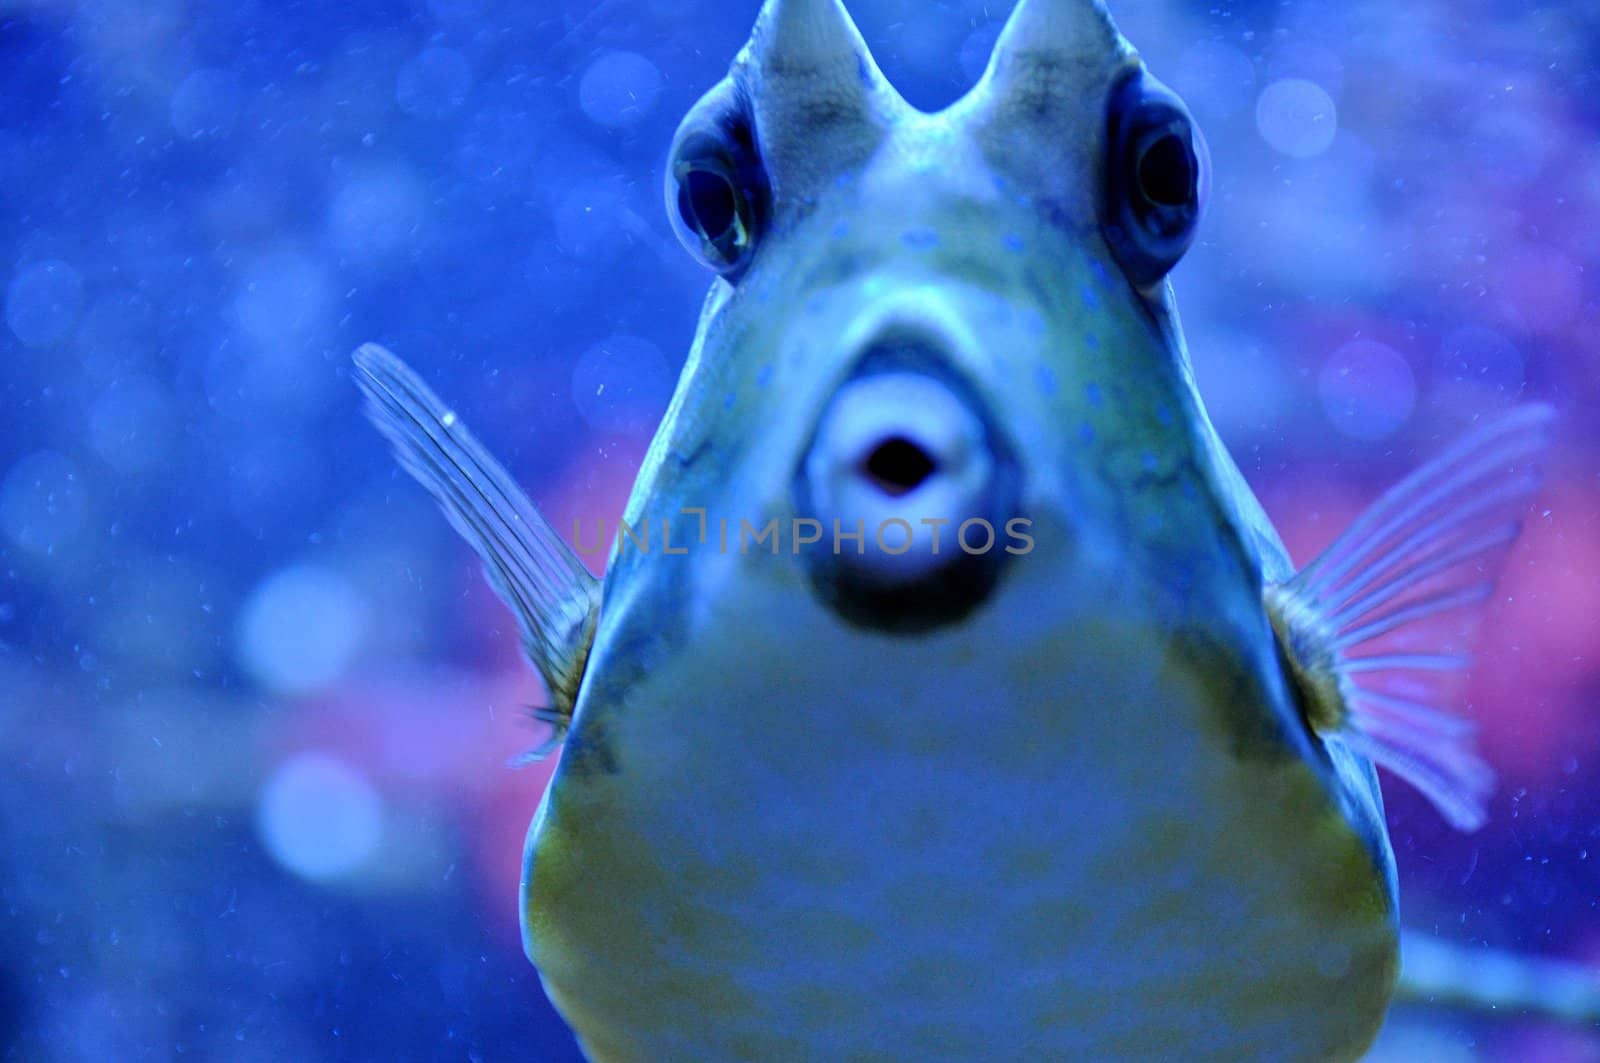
(913, 491)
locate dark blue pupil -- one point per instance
(708, 204)
(1167, 172)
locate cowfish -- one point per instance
(965, 704)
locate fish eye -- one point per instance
(716, 192)
(1157, 177)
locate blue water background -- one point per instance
(254, 696)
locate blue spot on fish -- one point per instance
(1086, 432)
(1091, 300)
(1013, 242)
(728, 401)
(1148, 460)
(1092, 393)
(841, 229)
(764, 375)
(1099, 270)
(1091, 341)
(920, 239)
(1047, 380)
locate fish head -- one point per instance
(951, 332)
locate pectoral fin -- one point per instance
(555, 599)
(1377, 628)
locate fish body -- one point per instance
(1104, 790)
(933, 858)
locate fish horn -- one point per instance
(1040, 106)
(820, 103)
(1050, 48)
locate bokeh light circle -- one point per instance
(1296, 117)
(619, 88)
(43, 302)
(133, 424)
(622, 384)
(376, 213)
(319, 817)
(1367, 390)
(299, 628)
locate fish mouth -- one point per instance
(914, 490)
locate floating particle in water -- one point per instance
(1296, 117)
(1367, 389)
(433, 84)
(299, 629)
(622, 384)
(206, 103)
(319, 817)
(43, 302)
(619, 88)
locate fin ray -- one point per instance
(1402, 576)
(1413, 713)
(1418, 610)
(1456, 780)
(1421, 662)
